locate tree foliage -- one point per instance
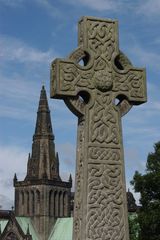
(148, 185)
(134, 227)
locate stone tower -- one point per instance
(43, 196)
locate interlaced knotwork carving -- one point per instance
(105, 188)
(105, 204)
(101, 38)
(104, 155)
(104, 126)
(133, 81)
(90, 91)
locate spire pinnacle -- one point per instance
(70, 178)
(57, 158)
(28, 231)
(43, 103)
(43, 124)
(15, 178)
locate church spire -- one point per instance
(43, 125)
(42, 163)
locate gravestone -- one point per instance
(99, 92)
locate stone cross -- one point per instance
(99, 91)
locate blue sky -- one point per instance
(32, 34)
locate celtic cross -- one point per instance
(99, 91)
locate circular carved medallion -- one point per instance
(102, 81)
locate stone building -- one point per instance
(42, 196)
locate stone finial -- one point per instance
(15, 178)
(28, 231)
(70, 178)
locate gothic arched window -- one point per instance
(37, 202)
(51, 203)
(22, 197)
(60, 204)
(56, 199)
(65, 204)
(32, 202)
(27, 198)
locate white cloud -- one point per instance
(156, 41)
(13, 49)
(13, 159)
(18, 97)
(65, 123)
(12, 3)
(133, 160)
(101, 5)
(104, 5)
(47, 5)
(67, 154)
(50, 7)
(68, 149)
(146, 57)
(67, 158)
(149, 8)
(5, 202)
(16, 113)
(18, 88)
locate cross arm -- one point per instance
(132, 84)
(68, 78)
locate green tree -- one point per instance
(148, 185)
(134, 227)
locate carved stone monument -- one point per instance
(99, 92)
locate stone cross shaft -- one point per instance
(99, 92)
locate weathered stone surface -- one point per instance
(90, 91)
